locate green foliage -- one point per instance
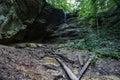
(103, 38)
(99, 45)
(108, 53)
(94, 57)
(85, 7)
(66, 5)
(94, 7)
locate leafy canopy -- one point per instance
(84, 7)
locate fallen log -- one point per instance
(84, 68)
(68, 72)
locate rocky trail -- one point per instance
(34, 61)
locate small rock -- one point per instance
(31, 45)
(39, 45)
(20, 46)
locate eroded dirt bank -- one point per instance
(30, 61)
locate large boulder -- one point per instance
(21, 19)
(13, 15)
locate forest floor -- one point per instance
(33, 61)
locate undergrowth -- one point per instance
(102, 47)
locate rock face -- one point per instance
(13, 15)
(10, 24)
(45, 23)
(20, 19)
(52, 15)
